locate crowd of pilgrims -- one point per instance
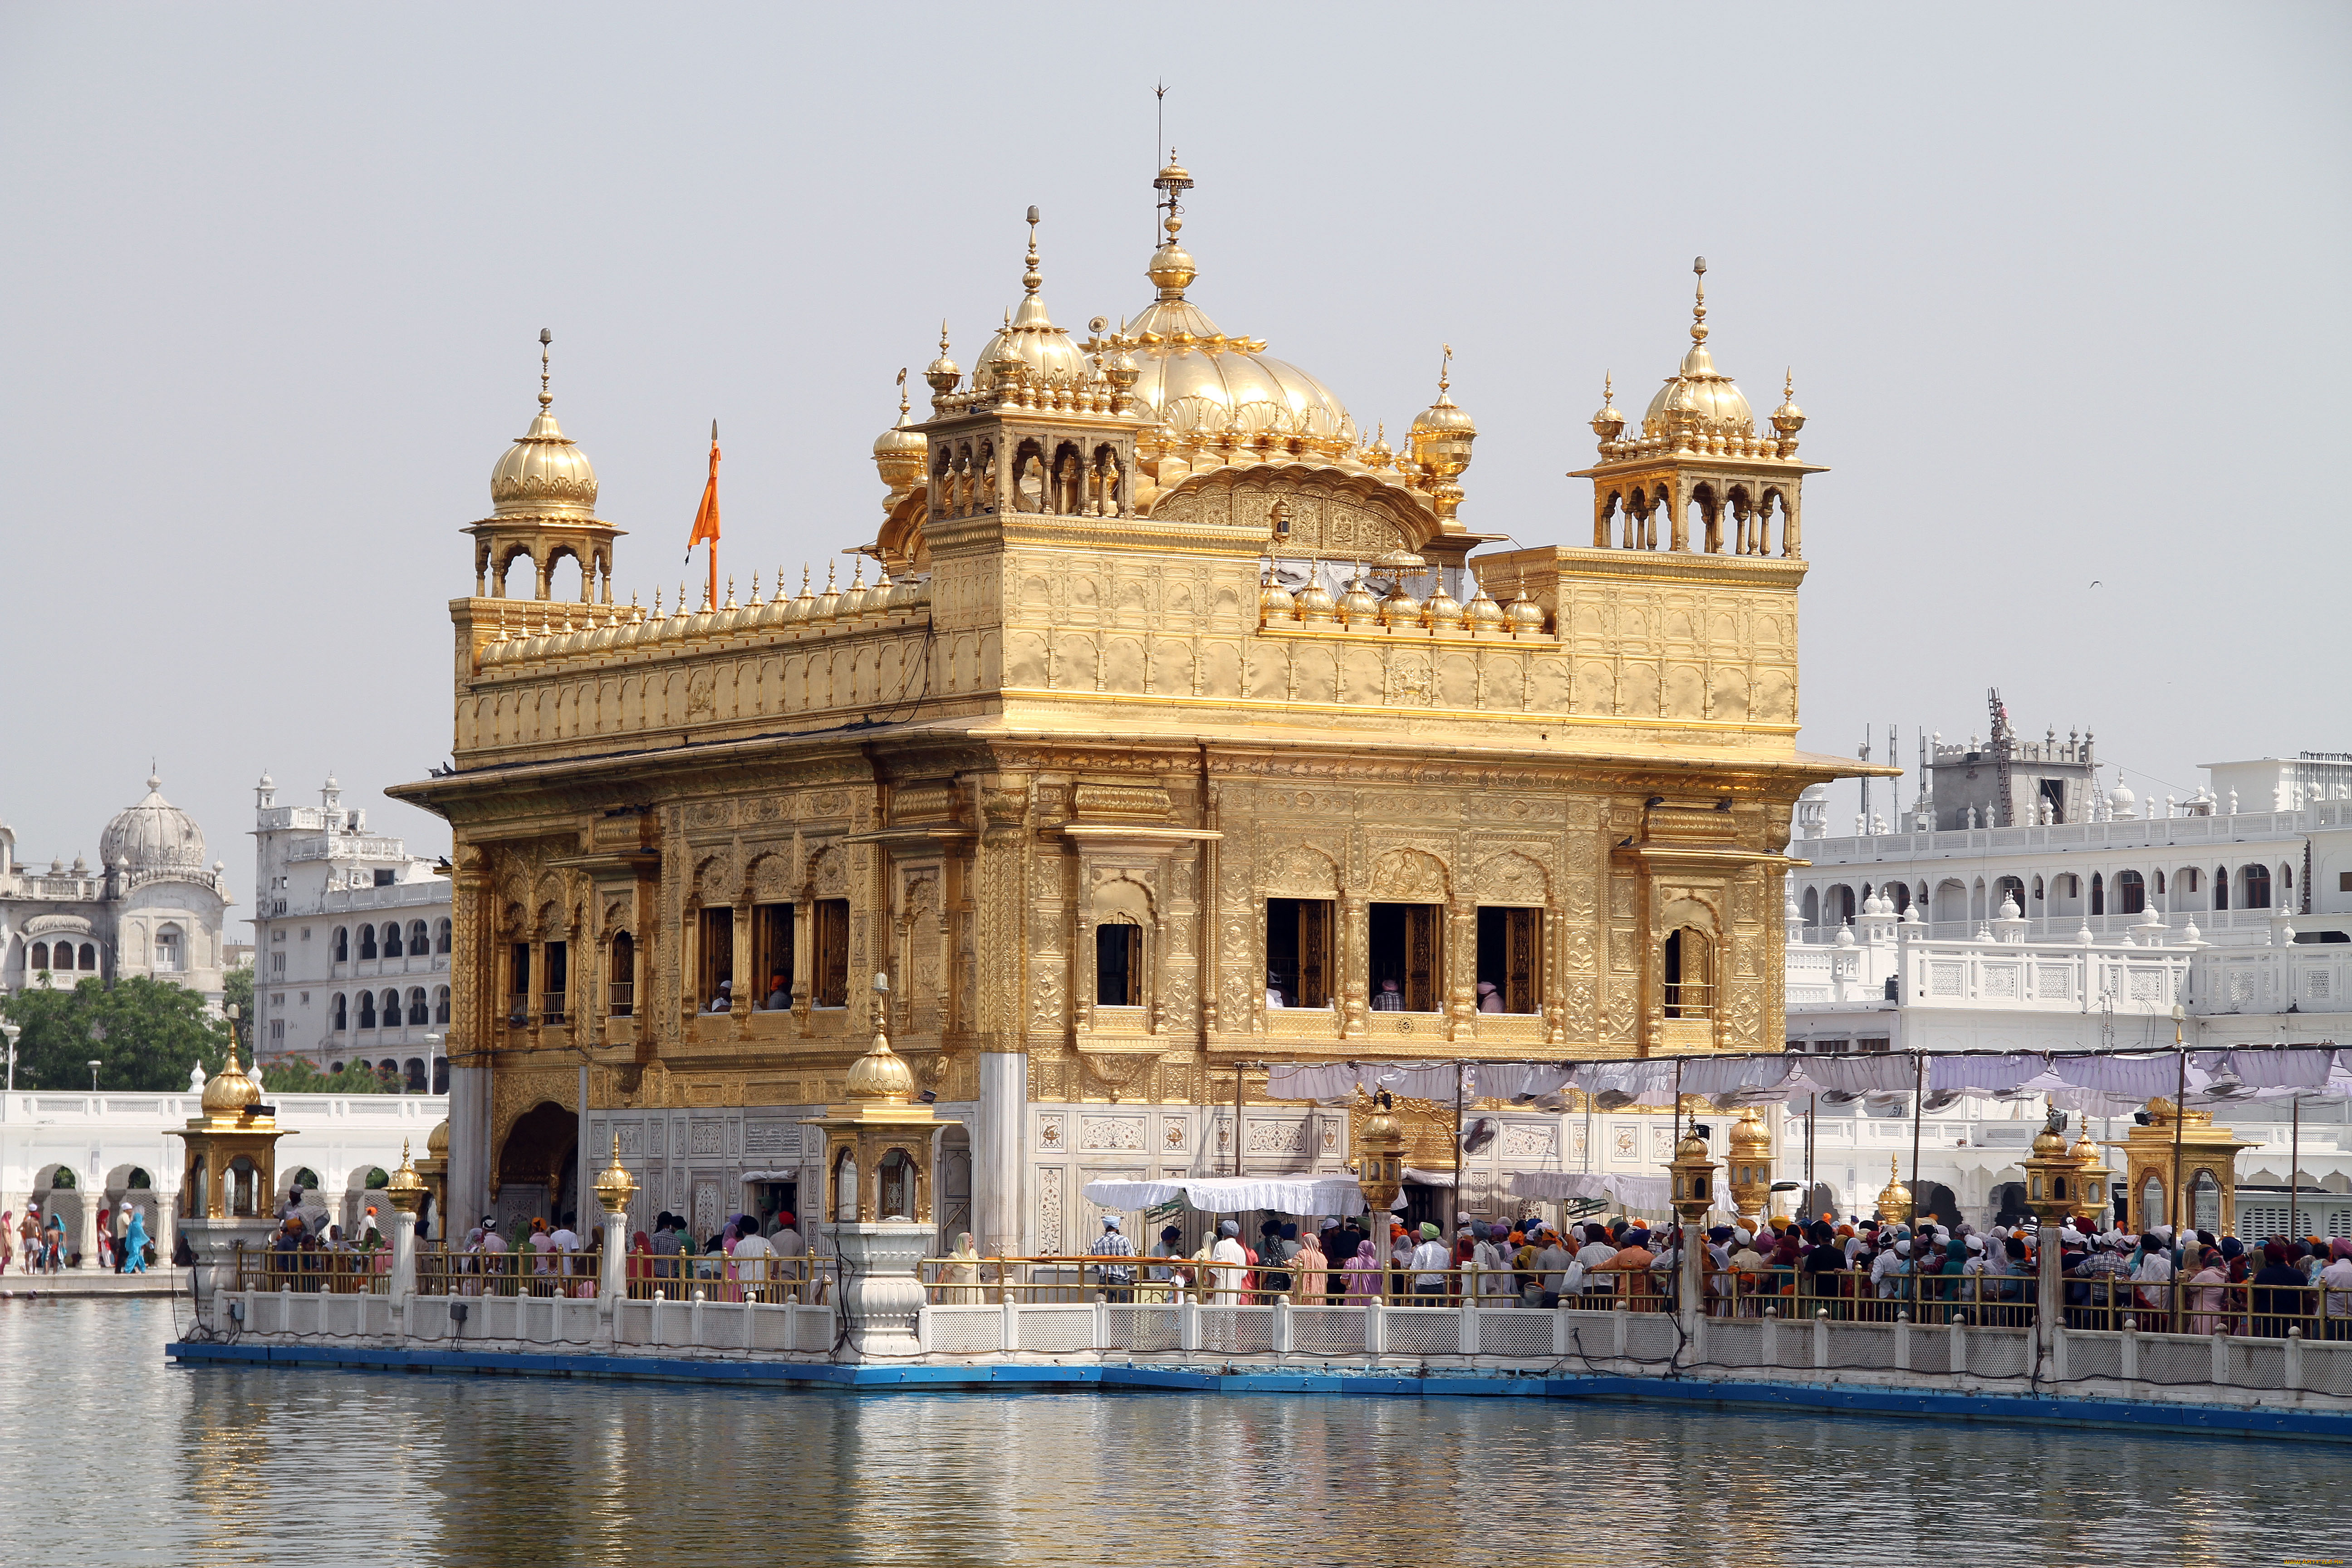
(1851, 1270)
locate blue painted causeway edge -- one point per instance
(1848, 1399)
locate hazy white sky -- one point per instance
(2061, 286)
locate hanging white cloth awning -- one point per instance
(1634, 1192)
(1237, 1194)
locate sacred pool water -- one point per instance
(114, 1456)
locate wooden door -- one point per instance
(1424, 972)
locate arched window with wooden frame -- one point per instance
(2131, 893)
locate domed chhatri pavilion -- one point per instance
(151, 906)
(1170, 724)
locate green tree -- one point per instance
(298, 1075)
(144, 1034)
(237, 991)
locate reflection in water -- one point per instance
(148, 1463)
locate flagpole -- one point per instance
(713, 550)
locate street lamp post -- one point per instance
(9, 1033)
(93, 1075)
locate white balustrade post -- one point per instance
(612, 1269)
(1187, 1324)
(2291, 1370)
(403, 1259)
(1279, 1338)
(1466, 1326)
(1376, 1328)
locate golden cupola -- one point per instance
(1440, 439)
(543, 510)
(1698, 475)
(900, 451)
(1697, 400)
(1029, 349)
(229, 1093)
(544, 473)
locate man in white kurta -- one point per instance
(1232, 1263)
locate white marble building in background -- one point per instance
(121, 1146)
(1890, 983)
(149, 907)
(351, 936)
(2263, 838)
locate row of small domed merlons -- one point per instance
(567, 630)
(1400, 611)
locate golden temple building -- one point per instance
(1172, 725)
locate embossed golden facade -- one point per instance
(1178, 729)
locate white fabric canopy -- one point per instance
(1237, 1194)
(1634, 1192)
(2102, 1083)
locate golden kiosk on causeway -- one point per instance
(1160, 733)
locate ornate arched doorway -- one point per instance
(536, 1169)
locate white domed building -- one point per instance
(153, 904)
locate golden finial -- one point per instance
(730, 590)
(545, 338)
(1033, 279)
(755, 589)
(830, 567)
(903, 405)
(857, 578)
(681, 596)
(1698, 308)
(656, 602)
(804, 581)
(1444, 367)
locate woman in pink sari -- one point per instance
(2208, 1288)
(1363, 1273)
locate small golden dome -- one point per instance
(1698, 399)
(1893, 1199)
(1030, 347)
(2085, 1152)
(1400, 608)
(943, 373)
(1357, 606)
(544, 473)
(1524, 614)
(437, 1142)
(1314, 601)
(1750, 1137)
(2049, 1145)
(1379, 454)
(1788, 418)
(1442, 609)
(1274, 602)
(1172, 270)
(1692, 1147)
(900, 451)
(880, 1074)
(1608, 421)
(228, 1092)
(405, 1186)
(614, 1186)
(1481, 613)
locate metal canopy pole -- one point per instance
(1918, 1104)
(2293, 1160)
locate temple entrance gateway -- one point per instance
(537, 1168)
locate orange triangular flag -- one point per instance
(705, 516)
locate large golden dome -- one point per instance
(1198, 383)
